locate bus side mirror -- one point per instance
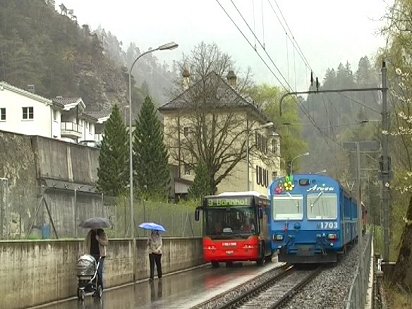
(260, 213)
(197, 214)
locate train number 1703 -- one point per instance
(328, 225)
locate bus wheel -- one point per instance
(215, 264)
(268, 259)
(229, 264)
(261, 258)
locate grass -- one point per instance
(397, 299)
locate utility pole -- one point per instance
(385, 162)
(385, 167)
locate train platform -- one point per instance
(181, 290)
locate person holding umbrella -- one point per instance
(154, 244)
(96, 243)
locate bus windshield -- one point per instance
(322, 206)
(288, 207)
(230, 222)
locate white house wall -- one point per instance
(41, 124)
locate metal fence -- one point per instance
(358, 290)
(55, 210)
(178, 219)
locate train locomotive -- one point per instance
(314, 218)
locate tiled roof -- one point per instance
(225, 96)
(98, 114)
(66, 101)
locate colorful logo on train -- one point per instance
(285, 186)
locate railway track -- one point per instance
(270, 292)
(277, 292)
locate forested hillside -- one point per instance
(45, 47)
(331, 119)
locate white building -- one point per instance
(61, 118)
(24, 112)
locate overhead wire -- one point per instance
(295, 45)
(266, 64)
(290, 31)
(260, 43)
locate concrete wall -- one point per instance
(39, 173)
(38, 272)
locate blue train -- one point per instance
(314, 218)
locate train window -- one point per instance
(322, 206)
(304, 182)
(288, 207)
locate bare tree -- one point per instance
(210, 120)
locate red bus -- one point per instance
(235, 228)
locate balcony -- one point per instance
(71, 130)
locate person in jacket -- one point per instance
(154, 244)
(96, 244)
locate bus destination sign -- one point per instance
(228, 201)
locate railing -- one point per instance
(70, 128)
(358, 290)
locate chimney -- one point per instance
(231, 78)
(186, 78)
(30, 88)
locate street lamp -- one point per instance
(266, 125)
(167, 46)
(170, 45)
(298, 156)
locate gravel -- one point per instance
(330, 289)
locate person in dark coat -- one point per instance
(154, 244)
(96, 244)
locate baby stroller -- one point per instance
(87, 275)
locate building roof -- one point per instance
(100, 116)
(225, 96)
(31, 95)
(69, 103)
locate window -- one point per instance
(187, 169)
(274, 146)
(186, 131)
(2, 113)
(28, 112)
(322, 206)
(288, 207)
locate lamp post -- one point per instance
(298, 156)
(167, 46)
(171, 45)
(266, 125)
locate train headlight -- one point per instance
(278, 237)
(332, 236)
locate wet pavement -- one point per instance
(180, 290)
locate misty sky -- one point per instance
(327, 32)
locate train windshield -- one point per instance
(288, 207)
(322, 206)
(230, 222)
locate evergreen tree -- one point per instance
(202, 183)
(113, 171)
(150, 155)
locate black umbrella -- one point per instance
(96, 223)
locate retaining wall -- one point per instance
(42, 271)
